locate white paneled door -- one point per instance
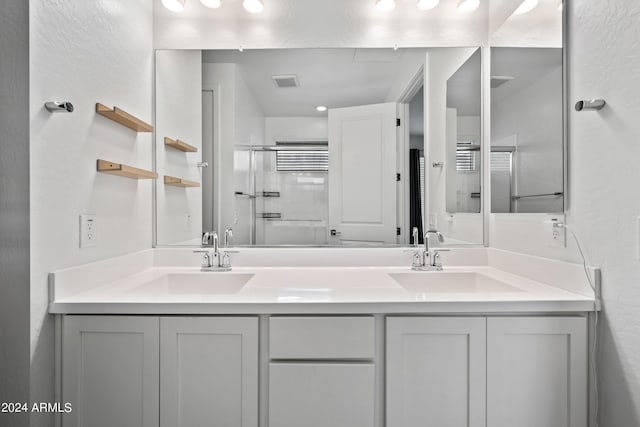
(537, 372)
(436, 370)
(209, 371)
(110, 371)
(362, 174)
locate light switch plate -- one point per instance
(88, 231)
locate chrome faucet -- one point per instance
(214, 260)
(207, 236)
(228, 234)
(429, 259)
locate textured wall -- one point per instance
(604, 58)
(84, 52)
(14, 207)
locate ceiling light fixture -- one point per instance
(212, 4)
(526, 6)
(385, 5)
(174, 5)
(427, 4)
(321, 108)
(467, 6)
(253, 6)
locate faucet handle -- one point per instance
(206, 258)
(436, 261)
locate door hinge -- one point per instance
(398, 231)
(397, 122)
(397, 177)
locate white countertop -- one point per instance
(316, 289)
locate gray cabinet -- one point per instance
(537, 372)
(110, 371)
(436, 370)
(322, 371)
(209, 371)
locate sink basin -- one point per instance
(203, 283)
(451, 282)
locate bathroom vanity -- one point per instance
(495, 339)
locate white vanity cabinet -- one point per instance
(493, 372)
(319, 371)
(160, 371)
(537, 371)
(208, 371)
(322, 371)
(110, 371)
(436, 371)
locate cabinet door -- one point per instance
(209, 371)
(317, 394)
(436, 372)
(110, 371)
(537, 372)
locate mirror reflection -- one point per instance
(307, 146)
(463, 137)
(527, 130)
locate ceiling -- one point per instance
(331, 77)
(526, 65)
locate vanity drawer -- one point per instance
(322, 337)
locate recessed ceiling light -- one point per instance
(321, 108)
(253, 6)
(468, 5)
(385, 5)
(174, 5)
(526, 6)
(427, 4)
(213, 4)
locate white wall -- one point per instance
(14, 207)
(603, 173)
(296, 129)
(178, 116)
(241, 123)
(84, 52)
(442, 64)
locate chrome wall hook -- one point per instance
(59, 107)
(590, 104)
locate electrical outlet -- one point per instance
(557, 233)
(88, 231)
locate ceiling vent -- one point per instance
(497, 81)
(289, 80)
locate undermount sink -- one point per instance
(451, 282)
(196, 283)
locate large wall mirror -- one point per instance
(318, 146)
(527, 110)
(301, 146)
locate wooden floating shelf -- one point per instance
(124, 170)
(179, 182)
(125, 119)
(179, 145)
